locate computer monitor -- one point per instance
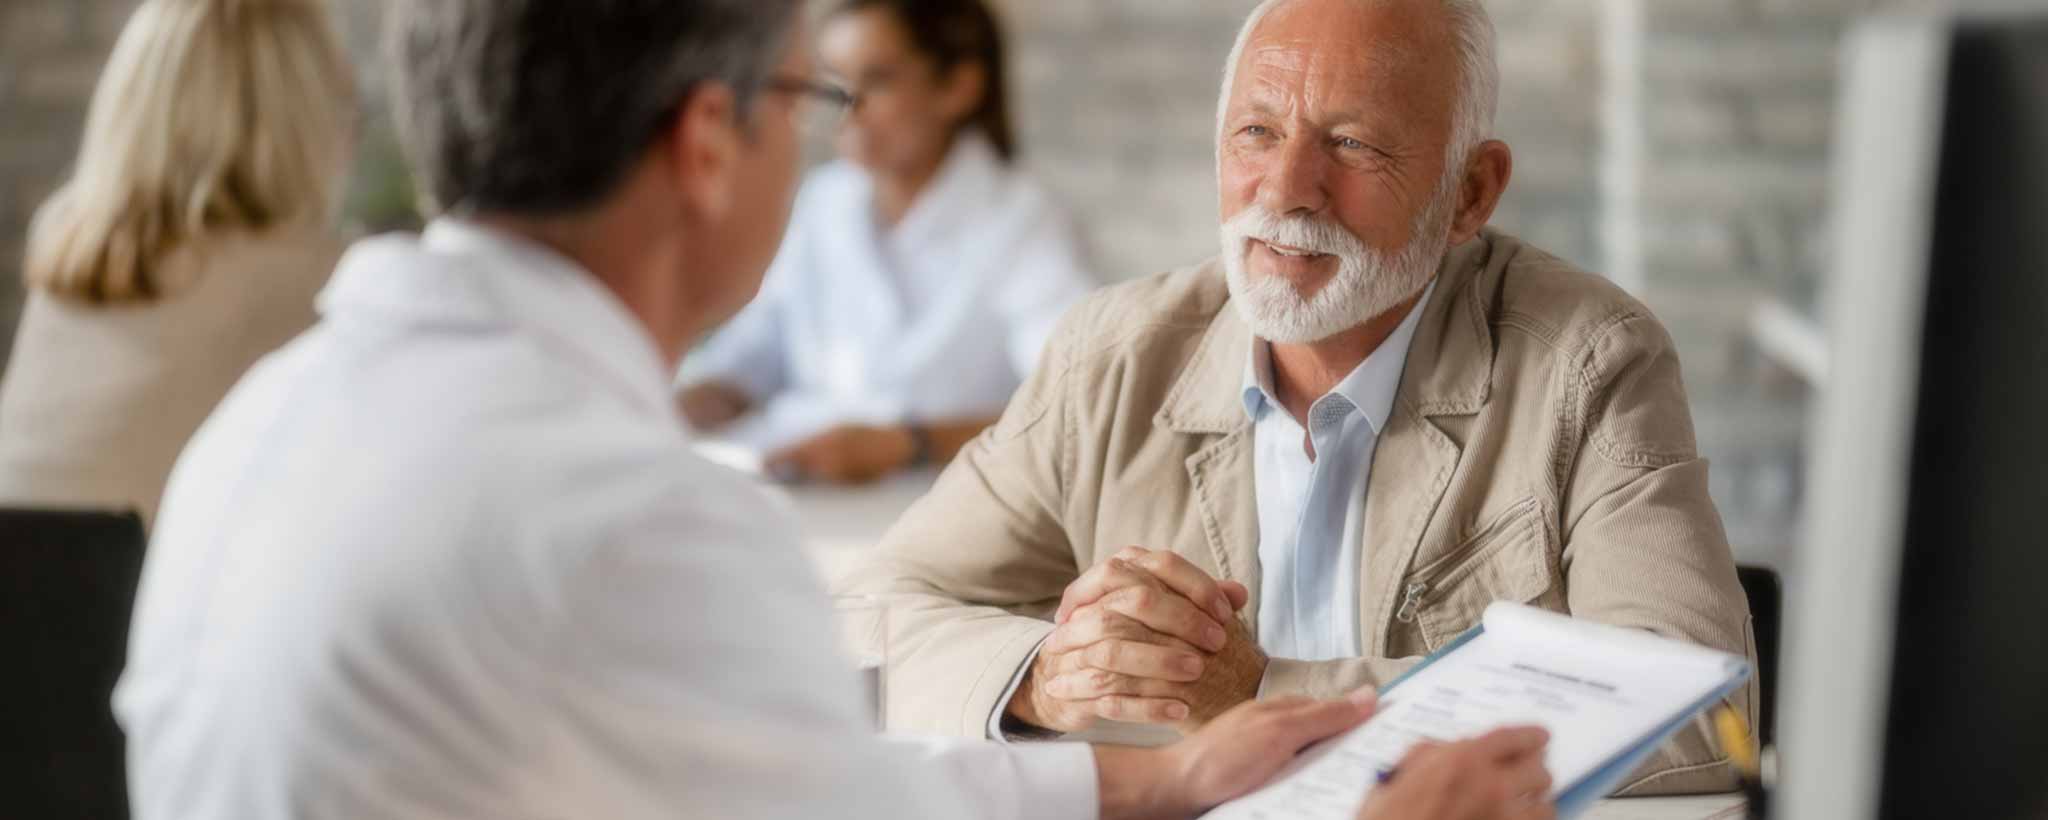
(1916, 679)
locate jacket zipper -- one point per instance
(1411, 598)
(1411, 602)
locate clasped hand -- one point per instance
(1145, 637)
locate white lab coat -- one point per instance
(448, 555)
(939, 318)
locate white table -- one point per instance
(839, 524)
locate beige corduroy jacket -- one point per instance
(1540, 450)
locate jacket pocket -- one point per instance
(1509, 559)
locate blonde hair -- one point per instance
(211, 116)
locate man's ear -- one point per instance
(701, 151)
(1487, 173)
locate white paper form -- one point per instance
(1599, 690)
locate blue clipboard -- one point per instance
(1579, 796)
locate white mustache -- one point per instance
(1297, 232)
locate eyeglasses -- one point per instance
(832, 103)
(830, 96)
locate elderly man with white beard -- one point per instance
(1307, 464)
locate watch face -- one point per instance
(921, 446)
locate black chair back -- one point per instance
(1766, 611)
(67, 586)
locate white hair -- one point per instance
(1478, 83)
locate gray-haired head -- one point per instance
(541, 107)
(1478, 69)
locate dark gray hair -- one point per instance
(541, 107)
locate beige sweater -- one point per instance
(97, 401)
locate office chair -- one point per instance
(67, 585)
(1766, 610)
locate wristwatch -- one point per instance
(921, 454)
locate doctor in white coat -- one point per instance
(923, 271)
(449, 554)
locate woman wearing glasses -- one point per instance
(922, 273)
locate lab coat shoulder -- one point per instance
(1047, 269)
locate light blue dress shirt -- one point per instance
(1312, 511)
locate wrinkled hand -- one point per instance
(711, 405)
(1246, 746)
(1145, 637)
(1499, 776)
(851, 454)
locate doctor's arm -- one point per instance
(862, 453)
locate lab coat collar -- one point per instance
(462, 276)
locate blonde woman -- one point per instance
(189, 242)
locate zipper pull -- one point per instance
(1411, 602)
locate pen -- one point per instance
(1735, 740)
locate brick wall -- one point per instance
(1117, 97)
(1717, 144)
(1679, 145)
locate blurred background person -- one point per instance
(189, 241)
(923, 271)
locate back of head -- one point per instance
(541, 108)
(212, 116)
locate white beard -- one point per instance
(1368, 283)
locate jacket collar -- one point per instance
(1369, 388)
(1448, 373)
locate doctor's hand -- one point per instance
(1145, 637)
(1225, 760)
(850, 454)
(710, 405)
(1499, 776)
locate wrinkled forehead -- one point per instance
(1371, 55)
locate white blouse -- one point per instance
(938, 318)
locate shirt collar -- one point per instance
(1370, 388)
